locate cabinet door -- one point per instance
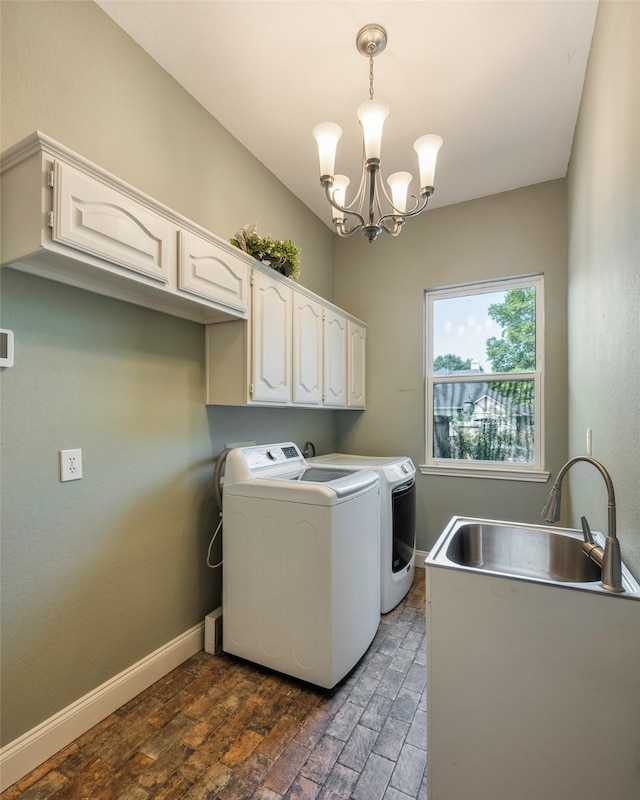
(206, 270)
(335, 360)
(92, 217)
(271, 340)
(356, 349)
(307, 350)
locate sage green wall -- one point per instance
(604, 277)
(98, 573)
(518, 232)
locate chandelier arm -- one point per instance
(397, 212)
(344, 232)
(344, 210)
(400, 218)
(360, 194)
(384, 191)
(392, 232)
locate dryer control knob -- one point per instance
(271, 455)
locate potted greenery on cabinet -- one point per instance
(281, 255)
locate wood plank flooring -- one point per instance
(218, 728)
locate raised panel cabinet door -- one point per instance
(356, 351)
(335, 360)
(207, 270)
(97, 219)
(307, 350)
(270, 340)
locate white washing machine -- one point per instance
(397, 519)
(300, 592)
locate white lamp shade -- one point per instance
(427, 149)
(327, 135)
(399, 185)
(339, 193)
(372, 115)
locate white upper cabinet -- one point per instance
(101, 221)
(207, 271)
(335, 359)
(68, 220)
(271, 340)
(293, 352)
(356, 373)
(268, 343)
(308, 349)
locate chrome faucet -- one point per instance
(609, 558)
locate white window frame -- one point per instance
(486, 469)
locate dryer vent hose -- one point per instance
(217, 477)
(217, 493)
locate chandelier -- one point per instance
(372, 195)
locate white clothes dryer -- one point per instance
(300, 592)
(397, 519)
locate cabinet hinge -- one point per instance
(50, 219)
(251, 390)
(50, 179)
(251, 278)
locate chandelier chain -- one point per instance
(370, 77)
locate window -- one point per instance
(484, 373)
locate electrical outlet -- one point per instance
(70, 465)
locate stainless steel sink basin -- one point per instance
(528, 552)
(522, 551)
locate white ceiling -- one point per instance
(500, 82)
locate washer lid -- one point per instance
(344, 485)
(316, 474)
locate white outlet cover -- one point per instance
(70, 465)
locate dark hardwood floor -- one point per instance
(217, 728)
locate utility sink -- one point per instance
(533, 686)
(528, 552)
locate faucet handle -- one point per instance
(589, 546)
(586, 530)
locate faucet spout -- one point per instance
(609, 557)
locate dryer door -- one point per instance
(403, 504)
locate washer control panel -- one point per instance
(270, 454)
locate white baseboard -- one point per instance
(420, 557)
(37, 745)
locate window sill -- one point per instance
(529, 475)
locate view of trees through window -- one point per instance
(478, 414)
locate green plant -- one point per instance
(281, 255)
